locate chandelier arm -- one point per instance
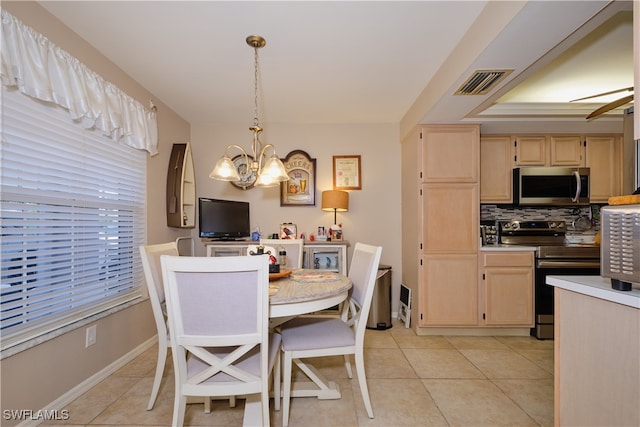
(263, 152)
(242, 151)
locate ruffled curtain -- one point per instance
(38, 68)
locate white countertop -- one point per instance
(597, 287)
(507, 248)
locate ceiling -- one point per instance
(364, 61)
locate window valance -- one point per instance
(38, 68)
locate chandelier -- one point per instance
(266, 170)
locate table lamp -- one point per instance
(335, 200)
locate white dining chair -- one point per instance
(294, 248)
(305, 337)
(218, 312)
(150, 256)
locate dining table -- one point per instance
(298, 292)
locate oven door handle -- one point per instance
(568, 264)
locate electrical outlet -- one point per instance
(91, 336)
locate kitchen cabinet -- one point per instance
(530, 150)
(601, 153)
(566, 150)
(506, 288)
(596, 353)
(496, 164)
(181, 188)
(604, 159)
(329, 256)
(440, 217)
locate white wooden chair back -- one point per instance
(218, 312)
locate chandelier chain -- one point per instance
(256, 122)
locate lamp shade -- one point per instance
(335, 200)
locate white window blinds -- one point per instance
(73, 215)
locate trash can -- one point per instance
(380, 314)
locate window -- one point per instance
(73, 216)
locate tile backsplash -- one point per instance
(505, 213)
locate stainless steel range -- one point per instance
(554, 256)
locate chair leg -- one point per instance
(277, 378)
(207, 405)
(162, 358)
(362, 380)
(179, 409)
(232, 401)
(347, 365)
(286, 396)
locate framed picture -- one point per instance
(240, 161)
(346, 173)
(300, 190)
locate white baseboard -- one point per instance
(86, 385)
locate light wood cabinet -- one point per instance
(604, 159)
(507, 288)
(567, 150)
(530, 150)
(499, 154)
(449, 293)
(496, 164)
(181, 188)
(441, 202)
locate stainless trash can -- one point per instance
(380, 314)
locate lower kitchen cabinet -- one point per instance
(449, 296)
(506, 288)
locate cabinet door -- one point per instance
(450, 153)
(449, 291)
(605, 170)
(566, 151)
(531, 150)
(450, 217)
(508, 296)
(226, 250)
(496, 165)
(325, 258)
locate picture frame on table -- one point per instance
(347, 172)
(300, 189)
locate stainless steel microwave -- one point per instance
(551, 186)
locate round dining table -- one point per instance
(306, 291)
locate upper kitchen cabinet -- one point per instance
(450, 153)
(566, 150)
(530, 150)
(496, 163)
(604, 159)
(181, 188)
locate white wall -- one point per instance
(374, 211)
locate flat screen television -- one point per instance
(223, 219)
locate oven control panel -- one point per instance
(532, 226)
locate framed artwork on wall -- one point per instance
(347, 173)
(300, 190)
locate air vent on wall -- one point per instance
(481, 82)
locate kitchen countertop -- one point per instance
(507, 248)
(597, 287)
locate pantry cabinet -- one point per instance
(440, 217)
(506, 288)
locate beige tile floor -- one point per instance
(413, 381)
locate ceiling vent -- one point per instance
(481, 82)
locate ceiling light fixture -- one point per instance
(269, 170)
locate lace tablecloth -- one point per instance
(307, 285)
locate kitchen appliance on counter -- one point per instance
(621, 245)
(488, 232)
(554, 256)
(551, 186)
